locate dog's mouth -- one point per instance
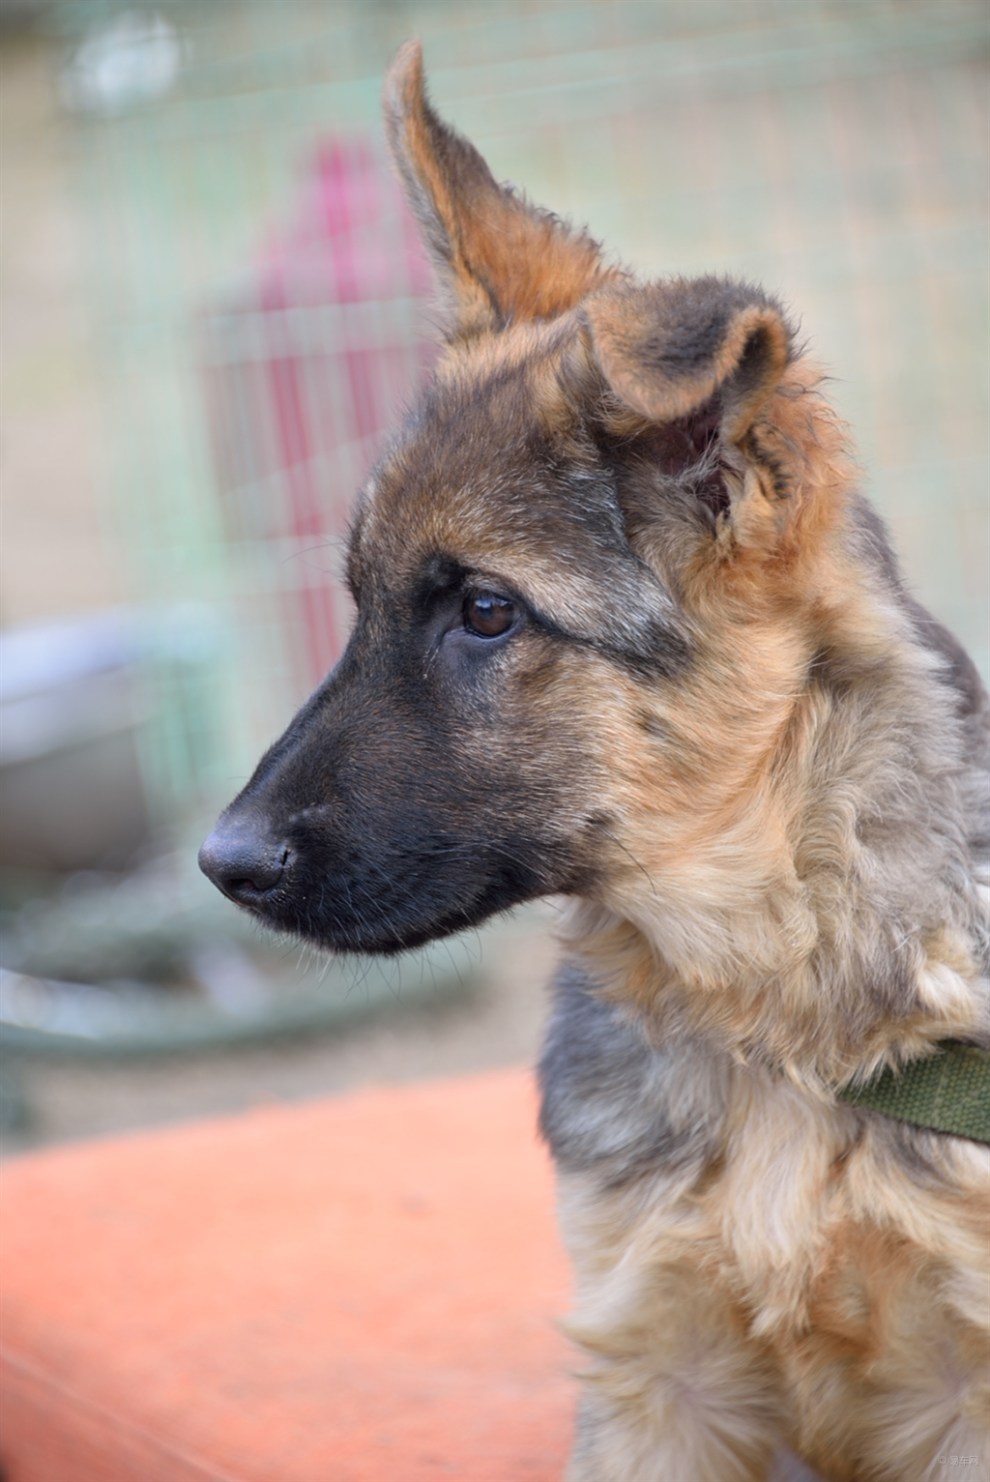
(341, 926)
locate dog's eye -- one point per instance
(488, 615)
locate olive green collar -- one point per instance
(946, 1092)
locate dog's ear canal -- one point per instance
(501, 259)
(703, 353)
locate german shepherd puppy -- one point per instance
(627, 631)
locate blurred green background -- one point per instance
(212, 310)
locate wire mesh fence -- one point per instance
(264, 307)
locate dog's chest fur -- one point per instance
(844, 1248)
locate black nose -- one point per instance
(242, 860)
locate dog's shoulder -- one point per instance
(958, 671)
(955, 667)
(612, 1103)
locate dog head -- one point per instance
(590, 573)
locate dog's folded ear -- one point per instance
(668, 349)
(709, 359)
(501, 259)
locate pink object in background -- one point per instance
(309, 366)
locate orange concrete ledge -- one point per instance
(361, 1290)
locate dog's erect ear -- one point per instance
(502, 259)
(706, 357)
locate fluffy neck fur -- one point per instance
(824, 911)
